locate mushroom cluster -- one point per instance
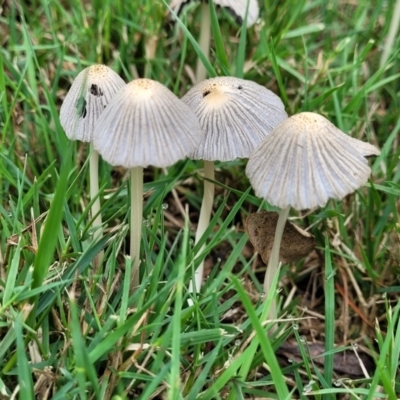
(300, 162)
(132, 125)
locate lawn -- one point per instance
(71, 327)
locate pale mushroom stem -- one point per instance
(208, 195)
(136, 222)
(204, 219)
(204, 40)
(94, 193)
(273, 262)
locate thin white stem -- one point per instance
(136, 222)
(204, 219)
(95, 211)
(204, 40)
(208, 195)
(273, 262)
(392, 34)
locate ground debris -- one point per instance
(345, 362)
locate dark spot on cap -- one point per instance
(95, 90)
(206, 93)
(240, 87)
(81, 107)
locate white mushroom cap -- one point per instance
(237, 7)
(235, 115)
(305, 161)
(89, 94)
(146, 124)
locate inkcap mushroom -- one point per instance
(302, 163)
(235, 116)
(145, 124)
(89, 94)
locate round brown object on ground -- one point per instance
(296, 243)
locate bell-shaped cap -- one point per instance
(296, 243)
(235, 115)
(89, 94)
(146, 124)
(236, 7)
(305, 161)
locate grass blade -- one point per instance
(329, 315)
(24, 371)
(48, 240)
(268, 351)
(83, 367)
(175, 377)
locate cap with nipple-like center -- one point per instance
(305, 161)
(237, 7)
(146, 124)
(235, 115)
(89, 94)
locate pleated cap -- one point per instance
(306, 161)
(146, 124)
(89, 94)
(236, 7)
(235, 115)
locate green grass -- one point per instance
(66, 333)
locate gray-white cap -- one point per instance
(237, 7)
(146, 124)
(89, 94)
(235, 115)
(306, 161)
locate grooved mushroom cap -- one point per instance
(89, 94)
(305, 161)
(237, 7)
(146, 124)
(235, 115)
